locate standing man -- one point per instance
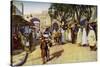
(73, 34)
(92, 38)
(62, 38)
(69, 35)
(84, 37)
(66, 35)
(79, 37)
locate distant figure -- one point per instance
(79, 36)
(92, 38)
(56, 35)
(73, 35)
(62, 38)
(69, 35)
(66, 35)
(84, 38)
(75, 32)
(44, 49)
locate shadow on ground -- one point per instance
(56, 54)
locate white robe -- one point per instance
(84, 37)
(69, 35)
(27, 43)
(66, 35)
(91, 38)
(62, 38)
(79, 36)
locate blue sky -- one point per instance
(32, 7)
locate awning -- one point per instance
(19, 20)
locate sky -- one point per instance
(32, 7)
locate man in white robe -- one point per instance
(69, 35)
(66, 35)
(92, 39)
(79, 37)
(62, 38)
(84, 38)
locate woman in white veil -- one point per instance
(79, 37)
(84, 37)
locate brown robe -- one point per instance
(44, 50)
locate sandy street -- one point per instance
(67, 53)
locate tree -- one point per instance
(60, 12)
(83, 10)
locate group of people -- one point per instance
(80, 36)
(75, 35)
(25, 41)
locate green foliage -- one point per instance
(62, 12)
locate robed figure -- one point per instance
(92, 39)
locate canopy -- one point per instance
(19, 20)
